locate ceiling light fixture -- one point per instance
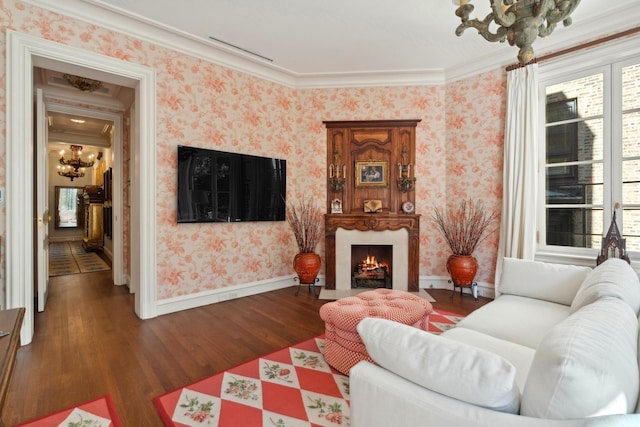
(74, 167)
(79, 121)
(519, 22)
(83, 83)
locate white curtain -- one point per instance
(518, 224)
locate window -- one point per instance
(590, 154)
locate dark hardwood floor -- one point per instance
(89, 343)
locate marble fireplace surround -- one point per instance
(399, 231)
(398, 239)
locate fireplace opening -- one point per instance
(371, 266)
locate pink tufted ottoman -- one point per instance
(343, 346)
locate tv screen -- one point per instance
(217, 186)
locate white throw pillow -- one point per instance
(613, 278)
(586, 365)
(442, 365)
(541, 280)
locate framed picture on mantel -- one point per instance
(372, 173)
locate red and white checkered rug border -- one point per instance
(293, 386)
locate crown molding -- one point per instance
(370, 79)
(121, 21)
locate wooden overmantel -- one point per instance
(383, 142)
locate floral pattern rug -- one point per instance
(100, 412)
(292, 387)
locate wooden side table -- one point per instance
(11, 322)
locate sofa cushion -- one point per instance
(541, 280)
(482, 378)
(587, 365)
(518, 355)
(613, 278)
(521, 320)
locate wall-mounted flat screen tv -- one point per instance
(218, 186)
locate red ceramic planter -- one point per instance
(307, 266)
(463, 269)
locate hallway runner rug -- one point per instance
(100, 412)
(292, 387)
(71, 258)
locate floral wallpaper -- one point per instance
(475, 110)
(459, 148)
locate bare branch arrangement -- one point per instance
(464, 227)
(305, 219)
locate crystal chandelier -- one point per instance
(519, 22)
(74, 167)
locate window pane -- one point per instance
(631, 134)
(577, 227)
(631, 182)
(564, 109)
(588, 91)
(631, 229)
(631, 87)
(591, 140)
(576, 141)
(577, 184)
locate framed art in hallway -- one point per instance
(372, 173)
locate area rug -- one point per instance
(100, 412)
(334, 294)
(291, 387)
(61, 260)
(71, 258)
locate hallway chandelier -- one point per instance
(519, 22)
(74, 167)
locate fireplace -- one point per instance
(399, 232)
(365, 212)
(371, 266)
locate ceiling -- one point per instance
(355, 38)
(318, 43)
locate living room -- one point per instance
(459, 153)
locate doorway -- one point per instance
(102, 133)
(23, 53)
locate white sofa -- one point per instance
(557, 347)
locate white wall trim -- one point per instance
(185, 302)
(485, 289)
(23, 53)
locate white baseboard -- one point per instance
(485, 289)
(172, 305)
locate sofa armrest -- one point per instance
(380, 398)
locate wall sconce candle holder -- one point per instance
(337, 173)
(405, 180)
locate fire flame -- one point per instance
(371, 263)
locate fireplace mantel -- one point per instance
(372, 222)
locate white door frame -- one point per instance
(23, 53)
